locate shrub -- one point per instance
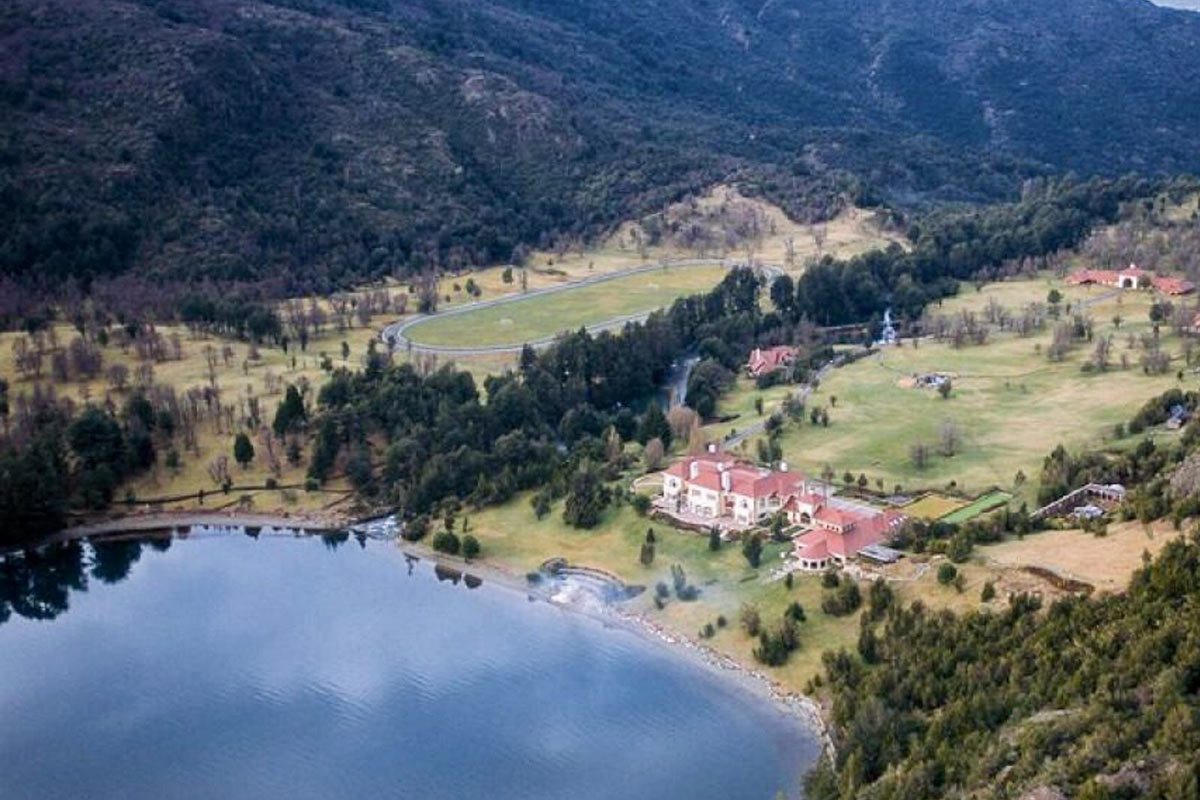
(446, 542)
(415, 529)
(989, 592)
(830, 579)
(842, 601)
(752, 549)
(751, 621)
(640, 503)
(946, 574)
(471, 547)
(714, 539)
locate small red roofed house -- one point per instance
(718, 486)
(764, 361)
(1130, 278)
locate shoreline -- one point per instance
(305, 522)
(804, 709)
(680, 645)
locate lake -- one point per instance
(222, 666)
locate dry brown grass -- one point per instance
(239, 380)
(1106, 562)
(933, 506)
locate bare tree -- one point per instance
(681, 419)
(654, 454)
(820, 234)
(118, 376)
(218, 470)
(918, 454)
(950, 438)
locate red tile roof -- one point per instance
(744, 478)
(772, 358)
(1166, 284)
(858, 530)
(1171, 285)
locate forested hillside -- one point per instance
(299, 144)
(1094, 699)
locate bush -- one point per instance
(830, 579)
(714, 539)
(946, 574)
(989, 592)
(471, 547)
(640, 503)
(415, 529)
(959, 549)
(312, 485)
(752, 549)
(842, 601)
(751, 621)
(446, 542)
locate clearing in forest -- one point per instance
(539, 316)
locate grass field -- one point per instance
(850, 233)
(1106, 562)
(538, 317)
(933, 506)
(513, 536)
(986, 503)
(239, 380)
(1010, 404)
(738, 404)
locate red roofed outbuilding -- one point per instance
(764, 361)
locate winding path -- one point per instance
(395, 335)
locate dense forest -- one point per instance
(1089, 698)
(295, 146)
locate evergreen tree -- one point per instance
(243, 450)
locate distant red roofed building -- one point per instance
(1132, 277)
(764, 361)
(1174, 286)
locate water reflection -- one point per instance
(228, 668)
(37, 584)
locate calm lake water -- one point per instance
(228, 667)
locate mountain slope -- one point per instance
(306, 142)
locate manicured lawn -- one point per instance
(537, 317)
(990, 501)
(738, 404)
